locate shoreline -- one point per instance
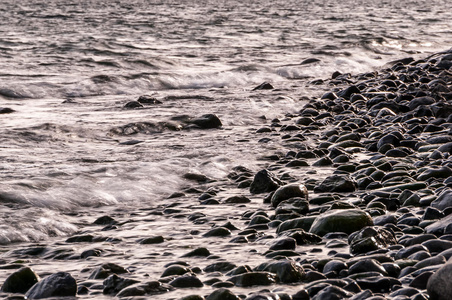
(373, 151)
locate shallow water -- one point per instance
(68, 69)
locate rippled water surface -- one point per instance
(68, 69)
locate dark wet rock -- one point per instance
(348, 92)
(385, 219)
(405, 252)
(367, 265)
(113, 284)
(420, 281)
(420, 256)
(264, 182)
(289, 191)
(416, 102)
(364, 295)
(264, 86)
(304, 223)
(146, 99)
(147, 288)
(223, 284)
(404, 292)
(324, 161)
(413, 186)
(59, 284)
(437, 246)
(442, 172)
(175, 270)
(301, 295)
(314, 276)
(106, 270)
(152, 240)
(87, 238)
(377, 284)
(304, 238)
(439, 227)
(222, 294)
(237, 200)
(286, 271)
(193, 297)
(432, 213)
(204, 252)
(186, 281)
(264, 296)
(444, 200)
(220, 267)
(6, 110)
(432, 261)
(207, 121)
(253, 279)
(392, 269)
(336, 183)
(371, 239)
(314, 287)
(391, 139)
(196, 177)
(332, 293)
(218, 231)
(105, 220)
(334, 266)
(348, 221)
(447, 148)
(416, 240)
(259, 220)
(281, 253)
(133, 104)
(438, 286)
(293, 205)
(20, 281)
(239, 270)
(286, 243)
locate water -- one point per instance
(67, 69)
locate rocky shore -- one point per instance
(359, 208)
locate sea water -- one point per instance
(69, 67)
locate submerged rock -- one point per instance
(147, 288)
(106, 270)
(208, 121)
(253, 278)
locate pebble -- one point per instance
(380, 182)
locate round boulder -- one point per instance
(289, 191)
(438, 285)
(20, 281)
(60, 284)
(341, 220)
